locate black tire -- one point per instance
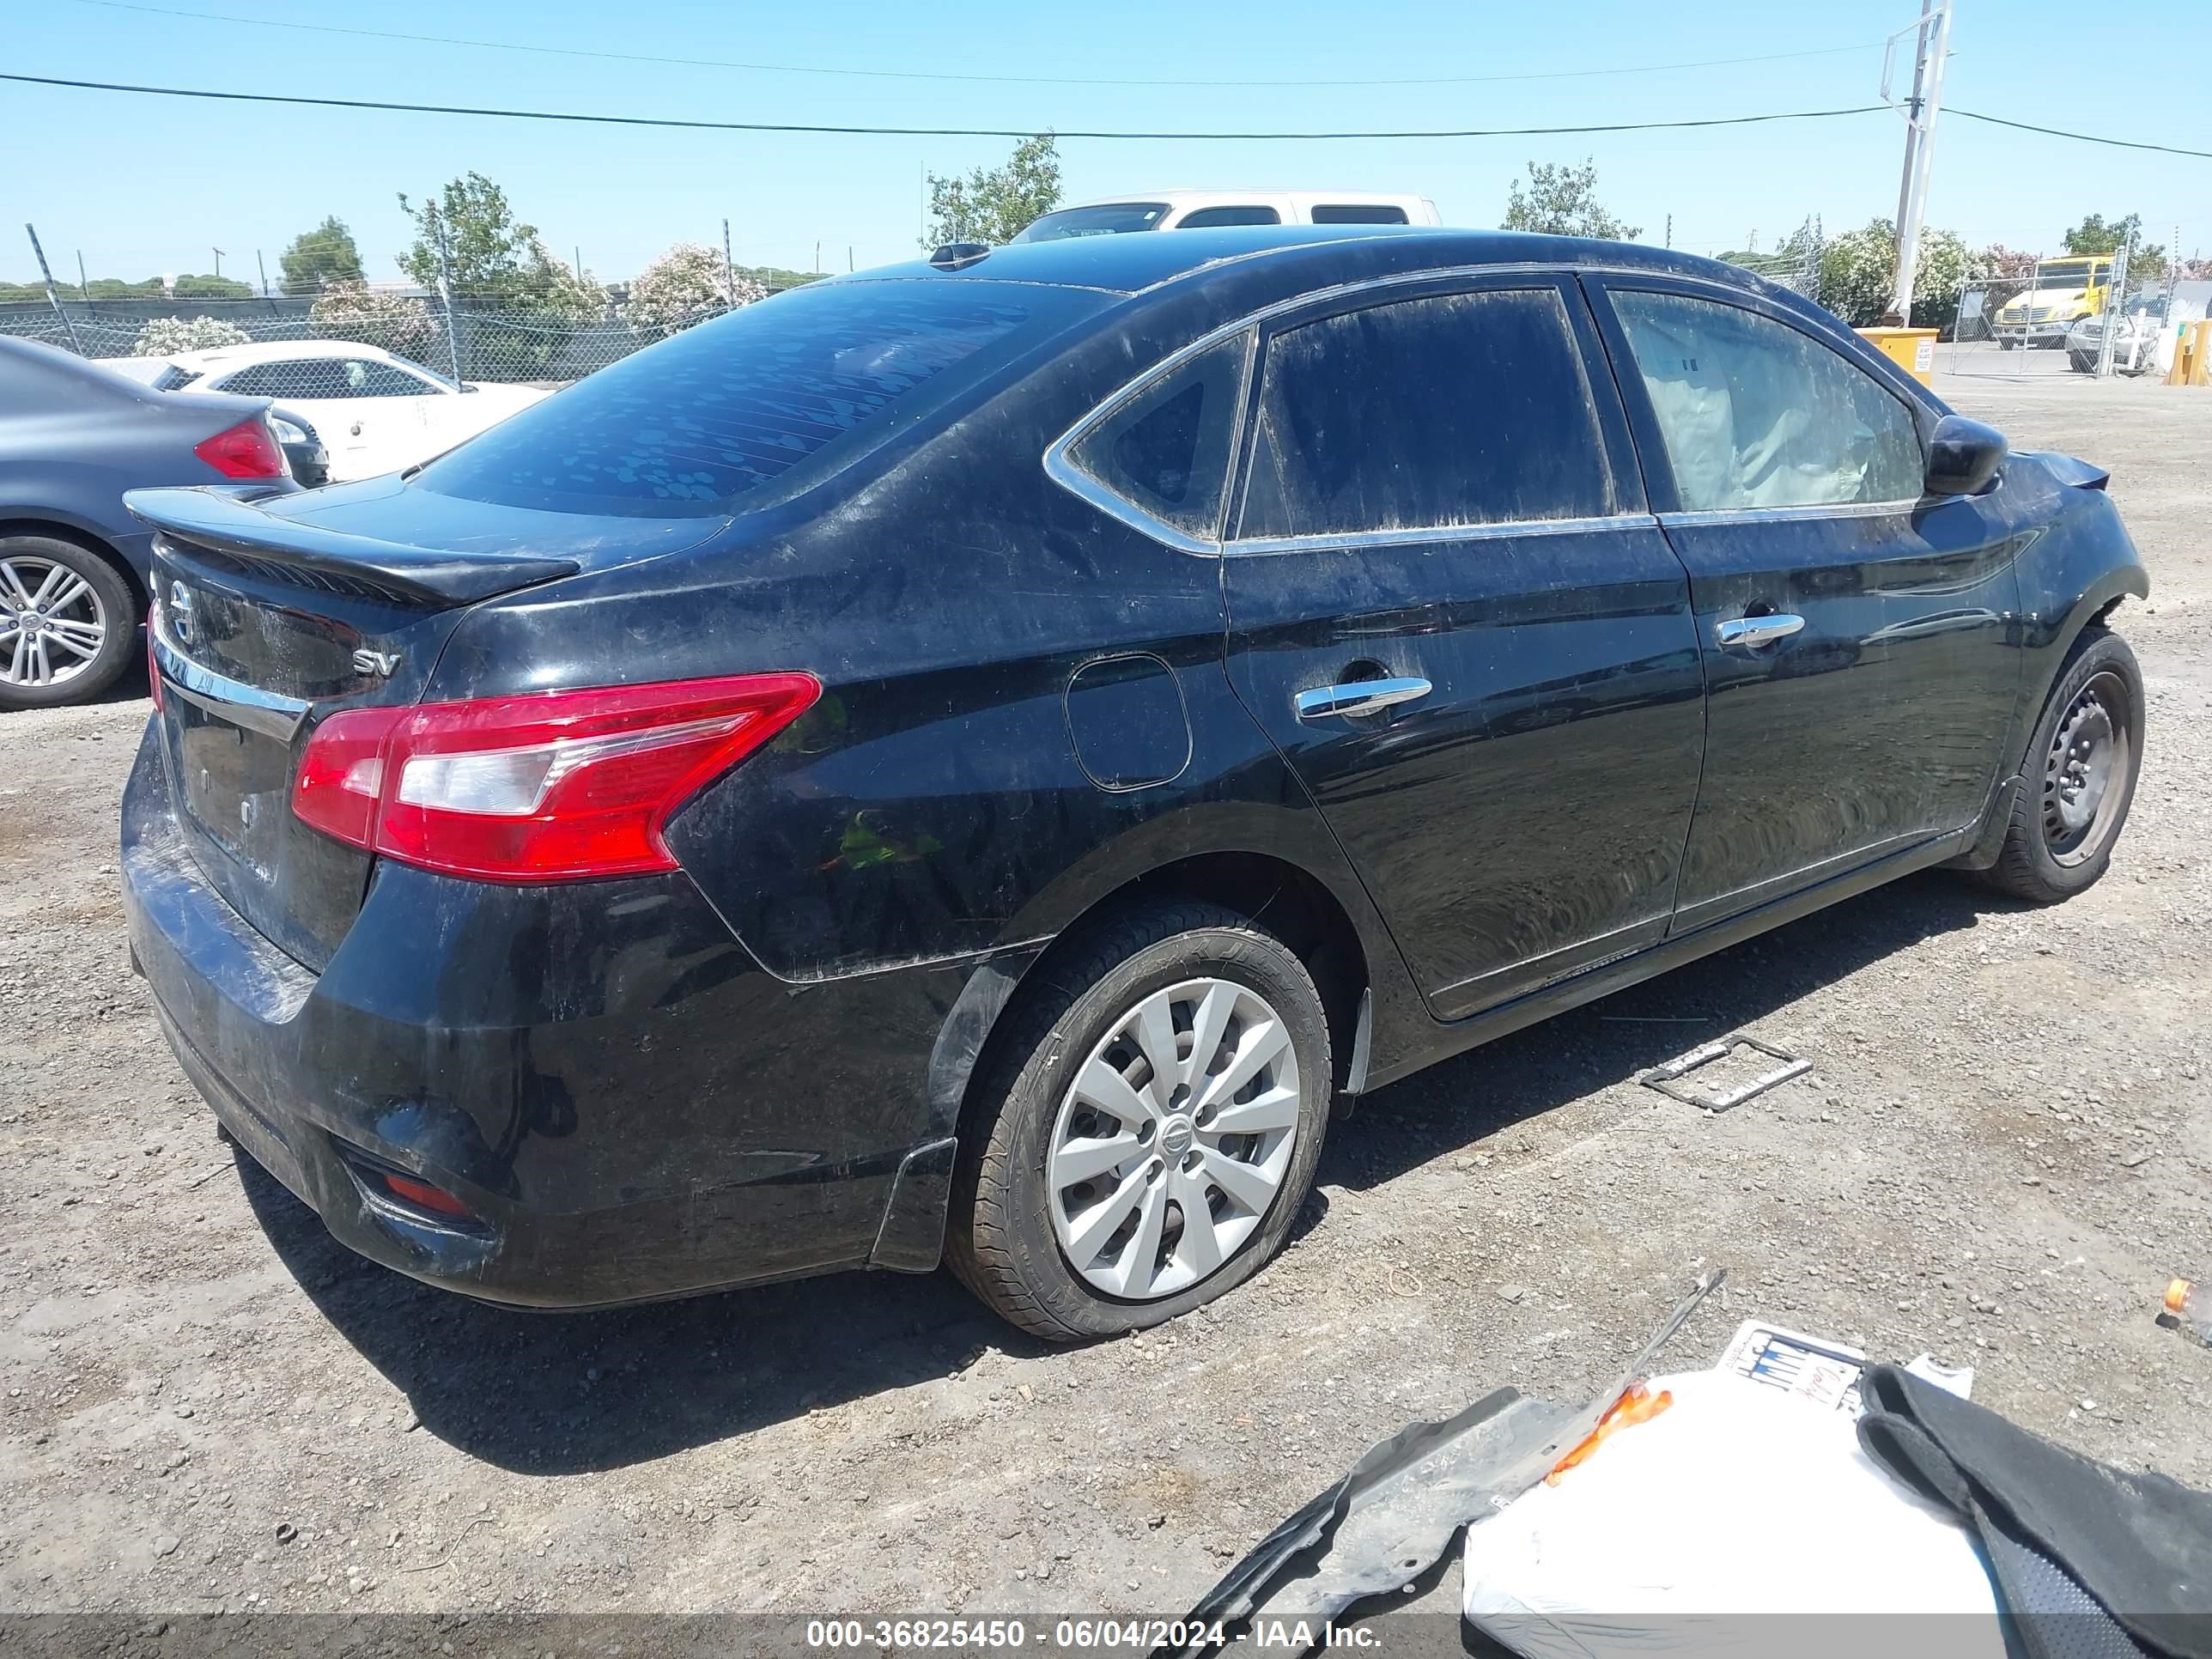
(2046, 857)
(111, 599)
(1002, 1240)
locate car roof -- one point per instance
(263, 351)
(1187, 195)
(1324, 254)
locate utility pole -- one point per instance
(446, 298)
(218, 265)
(52, 298)
(84, 287)
(259, 266)
(729, 269)
(1670, 230)
(1932, 46)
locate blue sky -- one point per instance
(143, 185)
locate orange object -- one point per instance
(1637, 1404)
(2177, 1295)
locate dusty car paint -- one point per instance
(756, 1066)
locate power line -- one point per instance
(924, 132)
(927, 75)
(2079, 138)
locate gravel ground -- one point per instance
(2004, 1153)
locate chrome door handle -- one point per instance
(1755, 631)
(1357, 698)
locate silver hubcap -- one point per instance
(2085, 772)
(1173, 1140)
(52, 622)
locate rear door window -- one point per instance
(1453, 410)
(1358, 212)
(1212, 217)
(294, 378)
(765, 401)
(1166, 450)
(1756, 414)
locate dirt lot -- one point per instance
(2005, 1150)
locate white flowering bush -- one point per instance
(687, 284)
(354, 311)
(165, 337)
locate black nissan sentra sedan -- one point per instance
(974, 760)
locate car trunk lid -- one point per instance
(265, 619)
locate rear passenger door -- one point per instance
(1860, 639)
(1450, 610)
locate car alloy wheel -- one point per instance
(2085, 770)
(52, 623)
(1173, 1140)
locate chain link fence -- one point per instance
(465, 338)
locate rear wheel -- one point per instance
(2080, 775)
(68, 623)
(1150, 1127)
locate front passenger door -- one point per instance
(1859, 639)
(1451, 610)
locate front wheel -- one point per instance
(2080, 775)
(1149, 1130)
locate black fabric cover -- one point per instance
(2090, 1561)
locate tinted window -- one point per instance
(1207, 218)
(693, 424)
(309, 377)
(1756, 414)
(1464, 408)
(1166, 451)
(369, 379)
(1353, 213)
(1106, 220)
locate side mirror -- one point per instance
(1963, 455)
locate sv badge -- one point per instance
(379, 663)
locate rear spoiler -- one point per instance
(419, 575)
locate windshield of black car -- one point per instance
(1109, 220)
(782, 393)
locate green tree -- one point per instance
(518, 307)
(492, 258)
(2095, 234)
(318, 258)
(990, 204)
(1561, 200)
(211, 287)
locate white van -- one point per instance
(1196, 209)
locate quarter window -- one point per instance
(1455, 410)
(1756, 414)
(1166, 450)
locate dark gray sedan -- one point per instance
(73, 564)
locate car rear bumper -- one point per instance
(629, 1107)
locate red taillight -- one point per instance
(424, 1196)
(153, 668)
(560, 786)
(248, 450)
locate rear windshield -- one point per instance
(1108, 220)
(782, 393)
